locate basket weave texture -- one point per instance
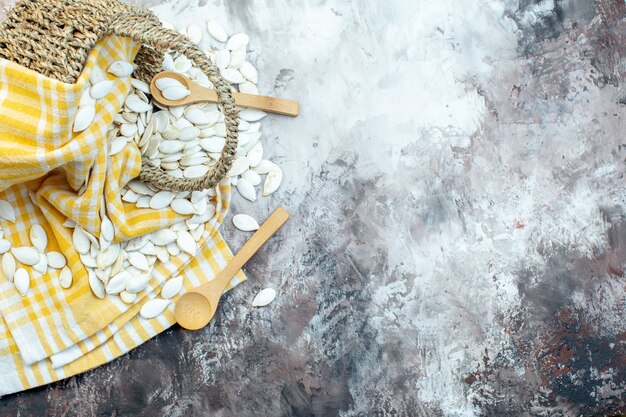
(55, 37)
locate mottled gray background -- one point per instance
(458, 239)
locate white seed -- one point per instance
(8, 266)
(21, 281)
(162, 254)
(97, 286)
(222, 59)
(5, 245)
(182, 64)
(136, 243)
(237, 58)
(86, 99)
(117, 283)
(153, 308)
(216, 31)
(252, 115)
(186, 242)
(238, 41)
(143, 201)
(121, 69)
(140, 187)
(42, 265)
(107, 257)
(182, 206)
(84, 117)
(247, 88)
(6, 211)
(129, 129)
(249, 72)
(56, 259)
(26, 255)
(101, 89)
(173, 249)
(88, 260)
(171, 146)
(117, 145)
(214, 144)
(107, 231)
(172, 287)
(168, 62)
(195, 171)
(80, 240)
(245, 222)
(233, 76)
(175, 93)
(264, 297)
(65, 277)
(177, 111)
(252, 177)
(199, 117)
(194, 33)
(239, 166)
(139, 261)
(136, 104)
(167, 82)
(137, 283)
(140, 85)
(96, 75)
(163, 237)
(264, 167)
(103, 275)
(273, 180)
(128, 297)
(38, 237)
(161, 200)
(189, 133)
(255, 155)
(246, 189)
(148, 249)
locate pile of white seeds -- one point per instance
(185, 142)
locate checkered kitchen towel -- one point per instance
(52, 333)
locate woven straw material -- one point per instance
(55, 37)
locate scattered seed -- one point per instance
(121, 69)
(8, 266)
(21, 281)
(245, 222)
(273, 180)
(153, 308)
(172, 287)
(65, 277)
(264, 297)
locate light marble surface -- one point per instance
(458, 236)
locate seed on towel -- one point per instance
(8, 265)
(186, 242)
(162, 254)
(273, 180)
(84, 117)
(6, 211)
(161, 200)
(128, 297)
(38, 237)
(216, 31)
(26, 255)
(108, 256)
(96, 75)
(153, 308)
(245, 222)
(137, 283)
(117, 145)
(172, 287)
(21, 281)
(139, 261)
(80, 240)
(101, 89)
(86, 99)
(65, 277)
(264, 297)
(246, 189)
(97, 286)
(5, 245)
(163, 237)
(88, 260)
(42, 265)
(173, 249)
(117, 283)
(238, 41)
(107, 231)
(56, 259)
(121, 69)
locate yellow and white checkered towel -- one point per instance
(52, 333)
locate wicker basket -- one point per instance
(55, 37)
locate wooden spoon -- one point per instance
(196, 308)
(200, 94)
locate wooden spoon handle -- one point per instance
(266, 103)
(214, 288)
